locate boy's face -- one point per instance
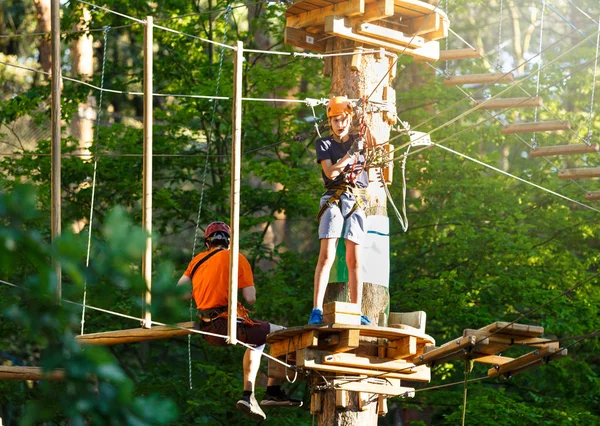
(340, 125)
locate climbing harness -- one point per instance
(359, 194)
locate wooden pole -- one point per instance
(541, 126)
(29, 373)
(592, 195)
(55, 130)
(582, 173)
(118, 337)
(506, 103)
(147, 171)
(451, 55)
(236, 159)
(479, 79)
(581, 148)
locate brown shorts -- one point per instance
(251, 334)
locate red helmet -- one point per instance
(216, 227)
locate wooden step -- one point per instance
(455, 54)
(592, 195)
(591, 172)
(507, 103)
(545, 151)
(514, 329)
(542, 126)
(479, 79)
(29, 373)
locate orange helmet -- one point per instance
(339, 105)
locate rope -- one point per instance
(539, 72)
(468, 367)
(204, 174)
(89, 240)
(588, 138)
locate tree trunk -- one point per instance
(82, 51)
(368, 78)
(43, 26)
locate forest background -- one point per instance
(482, 246)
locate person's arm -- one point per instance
(249, 294)
(185, 280)
(334, 170)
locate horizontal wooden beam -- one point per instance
(514, 329)
(315, 360)
(317, 16)
(136, 335)
(506, 103)
(456, 54)
(491, 359)
(341, 27)
(30, 373)
(521, 362)
(389, 35)
(592, 195)
(542, 126)
(582, 148)
(583, 173)
(479, 79)
(383, 388)
(452, 347)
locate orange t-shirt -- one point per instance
(210, 284)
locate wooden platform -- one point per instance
(483, 346)
(340, 349)
(419, 25)
(134, 335)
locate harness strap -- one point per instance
(359, 193)
(204, 259)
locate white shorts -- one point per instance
(333, 225)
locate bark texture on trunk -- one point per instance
(367, 76)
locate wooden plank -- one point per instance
(489, 78)
(302, 6)
(313, 359)
(382, 408)
(317, 17)
(136, 335)
(364, 330)
(491, 359)
(402, 348)
(304, 40)
(420, 25)
(338, 318)
(338, 26)
(381, 388)
(542, 126)
(442, 31)
(507, 103)
(499, 342)
(582, 148)
(591, 172)
(389, 96)
(454, 346)
(341, 398)
(514, 329)
(412, 8)
(456, 54)
(416, 319)
(30, 373)
(370, 362)
(592, 195)
(341, 307)
(522, 361)
(291, 345)
(375, 11)
(357, 57)
(556, 355)
(389, 35)
(348, 340)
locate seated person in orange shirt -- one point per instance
(208, 273)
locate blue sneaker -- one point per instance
(316, 317)
(364, 320)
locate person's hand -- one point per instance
(357, 146)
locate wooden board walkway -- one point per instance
(134, 335)
(485, 344)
